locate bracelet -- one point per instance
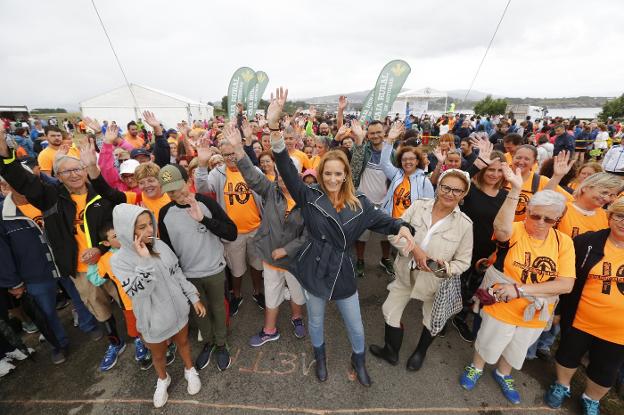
(486, 163)
(513, 198)
(517, 291)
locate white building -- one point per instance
(121, 106)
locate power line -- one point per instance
(486, 51)
(136, 105)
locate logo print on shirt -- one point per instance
(241, 192)
(522, 203)
(542, 269)
(80, 221)
(607, 278)
(403, 198)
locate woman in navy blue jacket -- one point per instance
(335, 217)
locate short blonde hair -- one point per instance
(616, 207)
(603, 180)
(144, 170)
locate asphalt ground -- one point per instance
(279, 376)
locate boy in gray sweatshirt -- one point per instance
(192, 225)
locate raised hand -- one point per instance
(204, 152)
(62, 150)
(342, 103)
(342, 133)
(312, 112)
(276, 106)
(194, 211)
(183, 128)
(395, 131)
(247, 130)
(88, 155)
(232, 135)
(4, 148)
(437, 152)
(358, 132)
(514, 179)
(562, 164)
(153, 122)
(112, 132)
(93, 124)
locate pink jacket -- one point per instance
(106, 162)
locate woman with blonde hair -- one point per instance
(589, 323)
(335, 216)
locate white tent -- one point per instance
(418, 100)
(120, 106)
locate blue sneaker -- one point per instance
(110, 357)
(469, 378)
(140, 350)
(262, 337)
(590, 407)
(299, 328)
(556, 394)
(506, 384)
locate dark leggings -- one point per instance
(605, 358)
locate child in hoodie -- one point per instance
(99, 273)
(151, 276)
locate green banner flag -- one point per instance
(388, 86)
(367, 107)
(239, 89)
(256, 90)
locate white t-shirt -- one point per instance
(373, 183)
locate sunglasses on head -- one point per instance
(546, 219)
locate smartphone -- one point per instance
(438, 269)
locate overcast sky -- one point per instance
(54, 53)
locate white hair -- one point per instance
(61, 159)
(549, 198)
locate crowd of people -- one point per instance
(513, 233)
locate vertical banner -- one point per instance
(239, 89)
(256, 90)
(389, 83)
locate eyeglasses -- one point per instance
(617, 217)
(448, 189)
(228, 155)
(546, 219)
(67, 173)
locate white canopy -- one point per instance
(120, 106)
(418, 101)
(427, 93)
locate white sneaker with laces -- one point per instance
(5, 367)
(17, 354)
(194, 383)
(161, 395)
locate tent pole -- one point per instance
(445, 103)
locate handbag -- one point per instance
(446, 303)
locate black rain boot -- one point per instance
(417, 358)
(321, 363)
(359, 367)
(390, 351)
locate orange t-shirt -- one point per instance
(402, 198)
(106, 271)
(314, 162)
(33, 213)
(574, 222)
(526, 193)
(79, 231)
(45, 159)
(531, 261)
(302, 162)
(602, 300)
(154, 204)
(136, 142)
(240, 204)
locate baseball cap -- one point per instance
(170, 178)
(171, 131)
(128, 166)
(139, 152)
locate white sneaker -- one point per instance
(17, 354)
(194, 383)
(5, 367)
(161, 395)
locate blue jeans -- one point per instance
(86, 320)
(45, 296)
(349, 309)
(546, 339)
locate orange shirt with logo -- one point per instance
(240, 204)
(531, 261)
(79, 232)
(575, 222)
(402, 198)
(602, 299)
(526, 194)
(33, 213)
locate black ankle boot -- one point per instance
(417, 358)
(359, 367)
(321, 363)
(390, 351)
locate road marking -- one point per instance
(260, 408)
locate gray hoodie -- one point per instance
(159, 290)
